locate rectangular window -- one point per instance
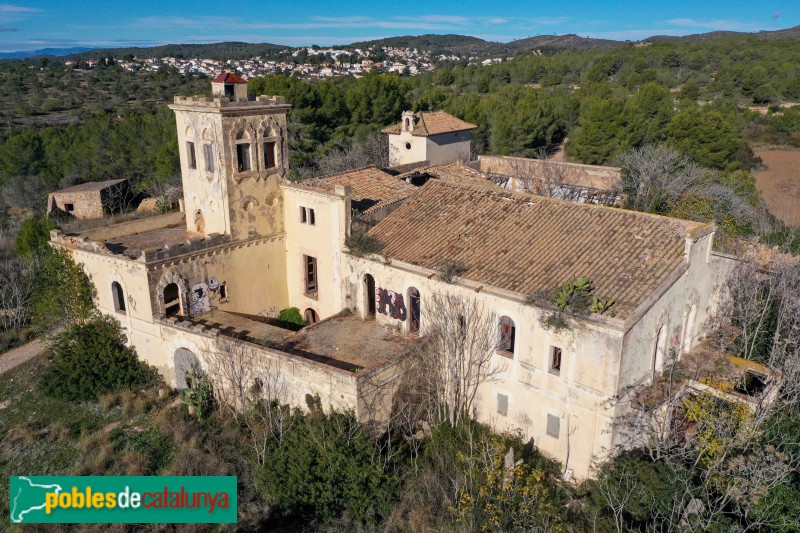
(310, 273)
(502, 404)
(191, 155)
(269, 154)
(553, 426)
(555, 360)
(208, 153)
(69, 208)
(223, 292)
(307, 216)
(243, 156)
(507, 335)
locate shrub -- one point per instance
(449, 270)
(361, 244)
(91, 359)
(291, 318)
(62, 292)
(33, 236)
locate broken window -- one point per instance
(229, 89)
(414, 311)
(310, 273)
(311, 316)
(243, 156)
(118, 297)
(208, 153)
(553, 425)
(191, 156)
(172, 300)
(69, 208)
(507, 335)
(555, 360)
(269, 154)
(223, 291)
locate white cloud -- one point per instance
(9, 8)
(230, 23)
(717, 24)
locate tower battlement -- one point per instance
(225, 102)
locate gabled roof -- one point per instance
(370, 187)
(228, 77)
(432, 123)
(531, 244)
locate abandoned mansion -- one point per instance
(248, 242)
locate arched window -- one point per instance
(507, 336)
(118, 296)
(369, 295)
(659, 354)
(242, 152)
(270, 148)
(414, 311)
(172, 300)
(311, 316)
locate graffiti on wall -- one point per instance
(390, 303)
(199, 301)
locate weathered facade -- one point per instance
(251, 243)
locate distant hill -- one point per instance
(463, 45)
(44, 52)
(562, 42)
(224, 50)
(788, 33)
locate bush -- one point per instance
(291, 319)
(91, 359)
(34, 234)
(62, 292)
(361, 244)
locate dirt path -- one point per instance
(779, 184)
(17, 356)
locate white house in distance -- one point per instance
(433, 136)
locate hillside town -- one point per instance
(307, 62)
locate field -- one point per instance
(779, 183)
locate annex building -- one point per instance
(248, 243)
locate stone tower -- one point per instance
(233, 153)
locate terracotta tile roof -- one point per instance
(433, 123)
(531, 244)
(371, 188)
(229, 77)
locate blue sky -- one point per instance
(38, 24)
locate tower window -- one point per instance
(208, 153)
(192, 156)
(307, 216)
(269, 154)
(243, 156)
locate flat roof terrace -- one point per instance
(147, 239)
(345, 341)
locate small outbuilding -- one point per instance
(92, 199)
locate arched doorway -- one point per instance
(414, 311)
(172, 300)
(369, 295)
(118, 296)
(311, 316)
(659, 353)
(184, 361)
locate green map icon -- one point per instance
(28, 499)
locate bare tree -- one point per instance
(457, 355)
(654, 176)
(724, 447)
(370, 150)
(16, 291)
